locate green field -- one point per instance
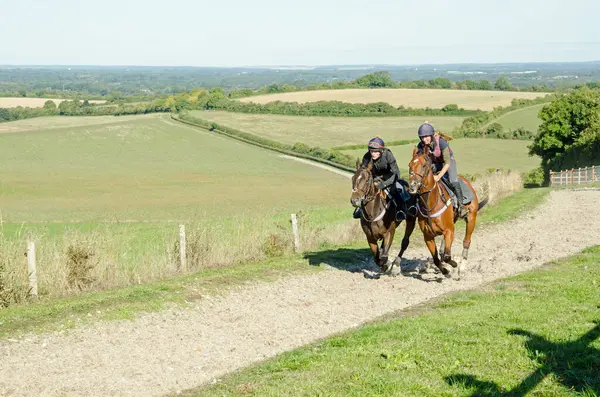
(150, 167)
(119, 187)
(534, 334)
(327, 131)
(474, 156)
(526, 118)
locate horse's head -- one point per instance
(362, 185)
(420, 171)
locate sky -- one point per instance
(307, 32)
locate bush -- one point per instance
(534, 178)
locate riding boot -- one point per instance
(459, 198)
(401, 209)
(357, 213)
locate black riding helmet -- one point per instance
(426, 130)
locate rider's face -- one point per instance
(375, 154)
(426, 140)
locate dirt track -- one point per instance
(177, 349)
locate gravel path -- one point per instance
(182, 348)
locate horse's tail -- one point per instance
(482, 203)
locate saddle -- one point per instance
(466, 191)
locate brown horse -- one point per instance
(378, 219)
(436, 214)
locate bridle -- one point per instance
(369, 196)
(424, 195)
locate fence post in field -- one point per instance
(587, 179)
(182, 249)
(593, 174)
(551, 178)
(296, 235)
(31, 268)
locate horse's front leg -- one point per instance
(410, 227)
(374, 248)
(448, 239)
(430, 242)
(388, 237)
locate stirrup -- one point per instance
(412, 210)
(400, 215)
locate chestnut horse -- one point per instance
(436, 214)
(378, 219)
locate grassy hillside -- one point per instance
(326, 131)
(148, 167)
(526, 118)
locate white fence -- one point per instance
(575, 176)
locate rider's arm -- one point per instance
(366, 159)
(393, 168)
(446, 156)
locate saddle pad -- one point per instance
(467, 192)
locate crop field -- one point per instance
(33, 102)
(526, 118)
(474, 156)
(415, 98)
(327, 131)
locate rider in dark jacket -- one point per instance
(386, 170)
(443, 160)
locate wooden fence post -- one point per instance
(296, 234)
(182, 249)
(31, 268)
(572, 176)
(593, 174)
(551, 178)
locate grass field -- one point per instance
(51, 123)
(119, 187)
(415, 98)
(32, 102)
(474, 156)
(149, 167)
(533, 334)
(522, 118)
(326, 131)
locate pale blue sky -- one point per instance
(309, 32)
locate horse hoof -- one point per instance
(394, 271)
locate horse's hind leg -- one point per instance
(410, 227)
(471, 220)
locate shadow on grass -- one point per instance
(575, 365)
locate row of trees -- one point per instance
(81, 108)
(384, 79)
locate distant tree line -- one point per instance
(384, 79)
(216, 99)
(78, 108)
